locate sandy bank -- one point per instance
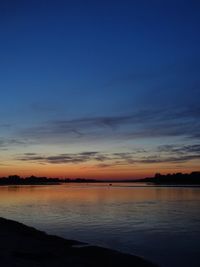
(22, 246)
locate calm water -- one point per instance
(159, 223)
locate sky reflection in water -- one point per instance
(161, 224)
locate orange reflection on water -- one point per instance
(93, 193)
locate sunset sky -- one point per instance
(99, 89)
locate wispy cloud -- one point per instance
(163, 154)
(5, 125)
(64, 158)
(142, 124)
(180, 150)
(6, 142)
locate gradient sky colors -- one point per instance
(103, 89)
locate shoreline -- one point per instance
(143, 184)
(22, 246)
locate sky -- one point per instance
(99, 89)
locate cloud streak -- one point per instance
(163, 154)
(7, 142)
(143, 124)
(68, 158)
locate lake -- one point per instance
(161, 224)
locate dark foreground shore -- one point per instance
(22, 246)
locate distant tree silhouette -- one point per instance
(14, 178)
(175, 178)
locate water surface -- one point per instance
(159, 223)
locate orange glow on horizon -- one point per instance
(91, 171)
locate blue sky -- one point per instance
(99, 76)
